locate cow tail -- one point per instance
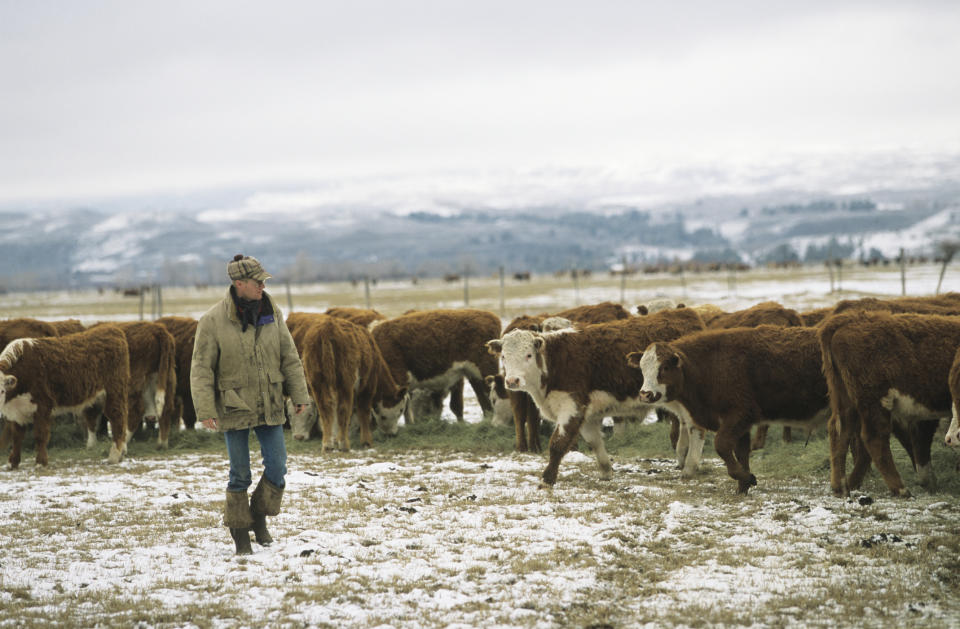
(832, 372)
(167, 379)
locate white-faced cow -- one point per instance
(727, 381)
(887, 373)
(86, 373)
(346, 375)
(577, 377)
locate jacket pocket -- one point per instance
(230, 394)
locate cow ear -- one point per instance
(642, 310)
(489, 380)
(538, 343)
(633, 359)
(495, 347)
(9, 382)
(681, 305)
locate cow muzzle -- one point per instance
(649, 397)
(512, 383)
(952, 439)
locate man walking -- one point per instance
(244, 361)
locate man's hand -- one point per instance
(210, 423)
(301, 408)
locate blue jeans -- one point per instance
(272, 448)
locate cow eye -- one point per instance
(529, 356)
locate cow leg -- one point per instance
(189, 412)
(760, 437)
(456, 398)
(861, 462)
(922, 433)
(675, 437)
(875, 430)
(480, 390)
(518, 402)
(840, 430)
(533, 425)
(726, 441)
(696, 437)
(115, 410)
(17, 433)
(91, 419)
(593, 434)
(344, 414)
(41, 433)
(563, 438)
(134, 416)
(787, 435)
(363, 410)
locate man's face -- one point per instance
(249, 289)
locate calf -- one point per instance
(86, 372)
(526, 416)
(153, 380)
(346, 374)
(24, 327)
(730, 380)
(886, 373)
(576, 377)
(183, 330)
(430, 351)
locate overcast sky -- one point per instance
(103, 98)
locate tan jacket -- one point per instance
(240, 377)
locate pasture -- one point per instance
(445, 525)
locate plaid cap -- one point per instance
(246, 268)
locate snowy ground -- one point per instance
(423, 539)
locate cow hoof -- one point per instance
(115, 455)
(545, 486)
(902, 493)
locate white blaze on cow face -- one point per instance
(388, 417)
(521, 353)
(653, 390)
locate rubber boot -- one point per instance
(265, 501)
(236, 517)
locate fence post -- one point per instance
(142, 299)
(503, 304)
(366, 291)
(289, 297)
(623, 279)
(576, 286)
(903, 273)
(466, 288)
(159, 301)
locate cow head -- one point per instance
(502, 409)
(388, 410)
(6, 385)
(662, 376)
(302, 424)
(524, 362)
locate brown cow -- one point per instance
(886, 373)
(946, 304)
(767, 312)
(360, 316)
(346, 374)
(68, 326)
(431, 350)
(86, 372)
(153, 380)
(183, 330)
(579, 376)
(526, 415)
(730, 380)
(24, 327)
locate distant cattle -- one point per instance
(346, 374)
(727, 381)
(153, 380)
(577, 377)
(522, 276)
(87, 373)
(183, 330)
(526, 416)
(887, 373)
(430, 351)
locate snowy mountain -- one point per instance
(539, 221)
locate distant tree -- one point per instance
(947, 249)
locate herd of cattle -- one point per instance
(866, 368)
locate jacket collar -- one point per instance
(231, 307)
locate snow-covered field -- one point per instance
(427, 538)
